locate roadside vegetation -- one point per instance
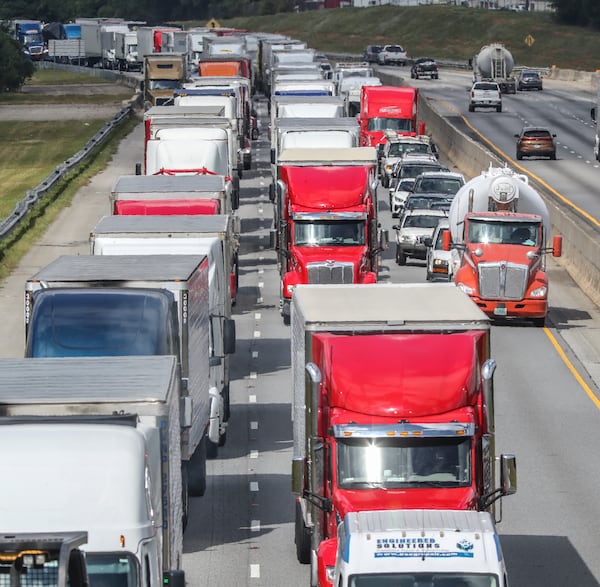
(451, 33)
(31, 150)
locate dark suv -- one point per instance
(372, 52)
(535, 141)
(424, 67)
(529, 80)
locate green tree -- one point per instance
(15, 68)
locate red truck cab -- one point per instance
(388, 109)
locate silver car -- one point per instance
(416, 226)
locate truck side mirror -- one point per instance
(557, 245)
(593, 113)
(235, 194)
(272, 239)
(138, 169)
(508, 474)
(229, 336)
(273, 156)
(446, 240)
(272, 192)
(421, 128)
(384, 240)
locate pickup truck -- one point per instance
(485, 94)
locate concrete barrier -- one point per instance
(581, 238)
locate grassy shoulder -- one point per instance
(55, 87)
(443, 32)
(18, 244)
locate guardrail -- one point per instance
(34, 196)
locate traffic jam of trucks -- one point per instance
(129, 350)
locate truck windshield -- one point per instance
(507, 233)
(329, 233)
(164, 84)
(398, 124)
(95, 324)
(423, 579)
(399, 462)
(116, 570)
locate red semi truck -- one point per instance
(393, 406)
(388, 109)
(326, 228)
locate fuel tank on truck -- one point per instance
(496, 189)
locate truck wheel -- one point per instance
(471, 108)
(553, 155)
(385, 182)
(212, 449)
(226, 404)
(499, 108)
(302, 538)
(197, 470)
(400, 256)
(539, 322)
(519, 155)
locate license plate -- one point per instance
(500, 311)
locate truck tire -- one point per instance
(212, 449)
(197, 470)
(226, 403)
(553, 155)
(519, 155)
(499, 108)
(471, 108)
(302, 538)
(539, 322)
(400, 256)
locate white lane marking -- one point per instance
(257, 334)
(257, 315)
(255, 526)
(253, 375)
(253, 425)
(252, 399)
(255, 354)
(253, 454)
(254, 486)
(255, 571)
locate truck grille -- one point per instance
(330, 272)
(502, 281)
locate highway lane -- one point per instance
(241, 531)
(564, 107)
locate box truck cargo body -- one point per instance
(112, 424)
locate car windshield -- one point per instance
(427, 203)
(530, 74)
(438, 185)
(399, 149)
(439, 241)
(486, 86)
(328, 233)
(420, 221)
(508, 233)
(403, 462)
(394, 49)
(415, 170)
(420, 579)
(537, 134)
(397, 124)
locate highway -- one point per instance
(242, 531)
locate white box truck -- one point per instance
(134, 305)
(417, 548)
(173, 194)
(94, 442)
(211, 236)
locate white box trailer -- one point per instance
(194, 235)
(418, 547)
(104, 436)
(307, 133)
(306, 107)
(173, 194)
(79, 293)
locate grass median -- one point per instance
(32, 160)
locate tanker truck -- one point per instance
(499, 227)
(495, 62)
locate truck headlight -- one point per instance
(539, 292)
(467, 289)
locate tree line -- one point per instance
(150, 11)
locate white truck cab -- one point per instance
(433, 548)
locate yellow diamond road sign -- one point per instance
(529, 40)
(213, 23)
